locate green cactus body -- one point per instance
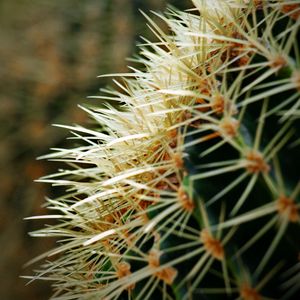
(191, 191)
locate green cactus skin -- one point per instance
(191, 191)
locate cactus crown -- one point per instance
(191, 190)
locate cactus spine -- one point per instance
(191, 190)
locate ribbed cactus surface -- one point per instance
(190, 190)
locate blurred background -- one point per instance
(51, 52)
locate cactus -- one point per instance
(190, 190)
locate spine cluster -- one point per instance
(191, 187)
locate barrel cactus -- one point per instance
(190, 188)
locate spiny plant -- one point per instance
(190, 190)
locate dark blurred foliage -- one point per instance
(51, 52)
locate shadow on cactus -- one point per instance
(191, 190)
